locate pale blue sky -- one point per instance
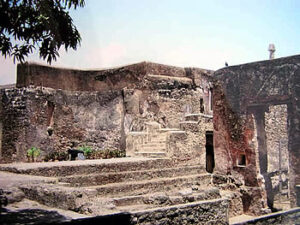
(195, 33)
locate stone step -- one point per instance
(157, 135)
(72, 198)
(204, 210)
(162, 140)
(173, 198)
(151, 154)
(150, 186)
(152, 149)
(127, 176)
(188, 122)
(201, 212)
(155, 139)
(67, 168)
(55, 195)
(197, 116)
(154, 146)
(192, 117)
(151, 144)
(153, 200)
(154, 143)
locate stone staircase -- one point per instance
(151, 143)
(157, 142)
(127, 186)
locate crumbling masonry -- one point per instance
(240, 125)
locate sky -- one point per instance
(197, 33)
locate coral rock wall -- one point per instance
(53, 107)
(30, 113)
(246, 99)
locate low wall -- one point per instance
(291, 216)
(204, 212)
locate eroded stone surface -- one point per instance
(246, 99)
(52, 107)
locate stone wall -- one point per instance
(285, 217)
(276, 134)
(205, 212)
(201, 213)
(170, 102)
(98, 80)
(277, 148)
(91, 118)
(97, 108)
(243, 95)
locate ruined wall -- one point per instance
(147, 86)
(90, 118)
(14, 122)
(97, 80)
(97, 108)
(242, 96)
(169, 101)
(79, 80)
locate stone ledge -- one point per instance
(291, 216)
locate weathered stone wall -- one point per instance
(91, 118)
(165, 106)
(97, 108)
(209, 212)
(169, 101)
(201, 213)
(194, 146)
(276, 131)
(242, 95)
(14, 120)
(98, 80)
(277, 147)
(79, 80)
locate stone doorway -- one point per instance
(273, 156)
(210, 157)
(276, 129)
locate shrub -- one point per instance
(87, 150)
(32, 153)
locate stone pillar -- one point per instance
(263, 153)
(1, 127)
(298, 195)
(294, 151)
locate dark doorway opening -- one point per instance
(201, 105)
(210, 157)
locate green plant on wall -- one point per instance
(87, 150)
(32, 153)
